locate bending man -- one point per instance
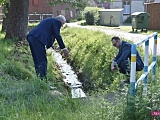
(41, 38)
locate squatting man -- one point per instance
(123, 58)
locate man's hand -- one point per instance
(65, 52)
(113, 66)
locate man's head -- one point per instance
(61, 18)
(116, 42)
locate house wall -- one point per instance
(156, 1)
(137, 6)
(111, 17)
(116, 4)
(41, 7)
(66, 10)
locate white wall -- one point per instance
(156, 0)
(137, 6)
(115, 16)
(115, 5)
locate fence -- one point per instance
(32, 17)
(147, 69)
(38, 17)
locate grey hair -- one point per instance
(61, 18)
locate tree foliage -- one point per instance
(2, 1)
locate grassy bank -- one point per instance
(24, 96)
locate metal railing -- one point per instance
(32, 17)
(38, 17)
(147, 68)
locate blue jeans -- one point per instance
(39, 56)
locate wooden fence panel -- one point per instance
(154, 10)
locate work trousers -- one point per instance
(39, 56)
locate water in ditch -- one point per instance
(69, 76)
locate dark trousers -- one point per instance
(124, 66)
(39, 56)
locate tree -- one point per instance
(17, 19)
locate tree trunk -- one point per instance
(17, 19)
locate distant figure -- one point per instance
(123, 58)
(41, 38)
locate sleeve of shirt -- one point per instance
(56, 29)
(125, 51)
(117, 57)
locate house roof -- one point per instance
(153, 3)
(110, 10)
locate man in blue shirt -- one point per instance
(123, 57)
(41, 38)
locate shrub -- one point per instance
(128, 20)
(89, 18)
(93, 12)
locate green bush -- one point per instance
(80, 16)
(128, 20)
(93, 12)
(89, 18)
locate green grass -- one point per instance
(23, 96)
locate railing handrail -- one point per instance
(147, 69)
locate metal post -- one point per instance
(154, 55)
(145, 80)
(133, 69)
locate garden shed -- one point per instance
(111, 17)
(154, 10)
